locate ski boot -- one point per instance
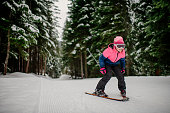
(123, 94)
(100, 93)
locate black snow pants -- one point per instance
(109, 72)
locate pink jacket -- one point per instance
(113, 54)
(112, 57)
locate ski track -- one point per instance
(17, 95)
(41, 95)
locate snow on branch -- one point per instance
(17, 29)
(32, 28)
(9, 5)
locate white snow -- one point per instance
(73, 52)
(88, 38)
(65, 77)
(84, 17)
(17, 29)
(81, 24)
(32, 28)
(9, 5)
(77, 45)
(29, 93)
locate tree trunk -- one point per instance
(85, 63)
(38, 61)
(34, 60)
(157, 72)
(41, 64)
(82, 74)
(22, 66)
(45, 65)
(26, 70)
(19, 65)
(8, 50)
(127, 64)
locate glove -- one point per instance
(103, 70)
(123, 71)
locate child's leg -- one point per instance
(102, 83)
(120, 77)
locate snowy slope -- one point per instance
(27, 93)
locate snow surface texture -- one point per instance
(65, 77)
(28, 93)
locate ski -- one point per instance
(124, 99)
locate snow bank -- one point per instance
(65, 77)
(17, 75)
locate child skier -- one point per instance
(112, 60)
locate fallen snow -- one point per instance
(27, 93)
(65, 77)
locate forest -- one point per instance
(29, 38)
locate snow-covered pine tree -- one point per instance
(20, 23)
(32, 33)
(47, 46)
(158, 29)
(149, 37)
(79, 32)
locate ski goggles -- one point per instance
(120, 45)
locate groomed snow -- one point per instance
(28, 93)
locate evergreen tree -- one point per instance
(29, 30)
(149, 35)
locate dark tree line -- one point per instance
(28, 36)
